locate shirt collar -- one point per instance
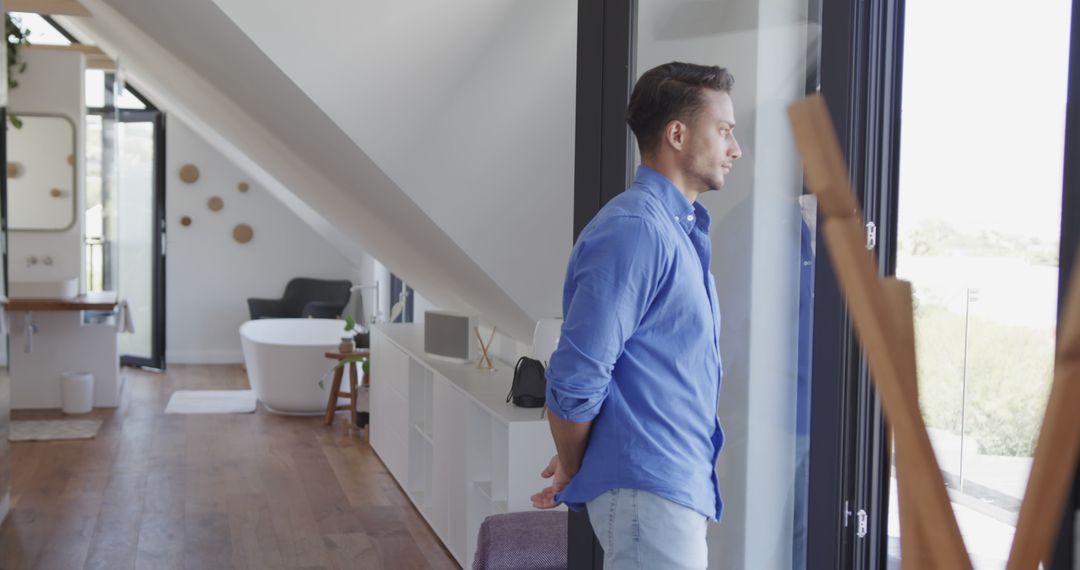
(686, 214)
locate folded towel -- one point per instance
(125, 323)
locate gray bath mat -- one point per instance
(211, 402)
(40, 430)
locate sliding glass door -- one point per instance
(125, 211)
(139, 245)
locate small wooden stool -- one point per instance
(335, 387)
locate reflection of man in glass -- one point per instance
(802, 383)
(633, 387)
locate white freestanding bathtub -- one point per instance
(286, 359)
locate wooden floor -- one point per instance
(256, 491)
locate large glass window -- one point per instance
(763, 258)
(41, 31)
(983, 124)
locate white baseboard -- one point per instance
(235, 356)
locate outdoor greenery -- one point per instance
(935, 237)
(1009, 370)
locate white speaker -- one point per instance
(450, 335)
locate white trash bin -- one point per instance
(78, 392)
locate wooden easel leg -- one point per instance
(335, 386)
(1059, 442)
(354, 386)
(857, 273)
(913, 553)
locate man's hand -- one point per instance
(546, 499)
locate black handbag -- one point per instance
(530, 384)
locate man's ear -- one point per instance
(675, 134)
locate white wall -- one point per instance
(209, 276)
(226, 89)
(472, 117)
(52, 84)
(41, 149)
(504, 347)
(755, 235)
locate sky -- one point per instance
(983, 114)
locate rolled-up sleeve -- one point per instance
(613, 276)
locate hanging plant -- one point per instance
(16, 37)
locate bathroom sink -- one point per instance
(62, 289)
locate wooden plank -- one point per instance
(95, 301)
(335, 387)
(856, 272)
(95, 58)
(1056, 452)
(913, 553)
(102, 62)
(89, 50)
(826, 173)
(47, 7)
(339, 355)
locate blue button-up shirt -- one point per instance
(639, 352)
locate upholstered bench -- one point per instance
(530, 540)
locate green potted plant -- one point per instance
(16, 37)
(348, 342)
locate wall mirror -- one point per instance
(41, 173)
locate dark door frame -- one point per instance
(605, 76)
(860, 79)
(3, 210)
(151, 114)
(602, 159)
(850, 444)
(1064, 550)
(156, 360)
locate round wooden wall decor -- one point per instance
(55, 193)
(189, 173)
(71, 159)
(185, 221)
(243, 187)
(215, 204)
(243, 233)
(13, 170)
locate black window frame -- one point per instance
(602, 160)
(1064, 553)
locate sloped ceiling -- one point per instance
(468, 106)
(192, 59)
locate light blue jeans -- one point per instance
(640, 530)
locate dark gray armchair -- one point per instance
(304, 297)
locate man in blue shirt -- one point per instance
(633, 386)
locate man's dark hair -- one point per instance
(668, 92)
